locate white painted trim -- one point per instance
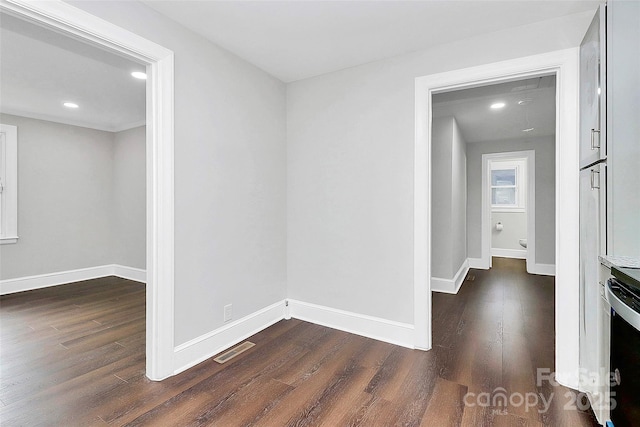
(130, 273)
(422, 215)
(205, 346)
(509, 253)
(208, 345)
(160, 220)
(9, 205)
(445, 286)
(487, 251)
(478, 263)
(458, 279)
(397, 333)
(564, 63)
(63, 17)
(542, 269)
(28, 283)
(451, 286)
(8, 240)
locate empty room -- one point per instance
(244, 212)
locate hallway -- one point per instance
(496, 333)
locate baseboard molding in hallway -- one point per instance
(451, 286)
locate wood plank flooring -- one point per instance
(73, 355)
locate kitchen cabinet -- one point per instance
(593, 190)
(609, 177)
(623, 128)
(591, 213)
(593, 91)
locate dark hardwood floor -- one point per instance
(73, 355)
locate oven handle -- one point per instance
(631, 316)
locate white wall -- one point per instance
(514, 228)
(441, 185)
(449, 197)
(129, 221)
(82, 199)
(544, 148)
(350, 145)
(458, 200)
(64, 199)
(230, 172)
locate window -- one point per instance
(8, 184)
(508, 189)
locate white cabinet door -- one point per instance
(623, 127)
(590, 306)
(593, 92)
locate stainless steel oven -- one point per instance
(623, 293)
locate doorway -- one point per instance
(509, 202)
(564, 65)
(62, 17)
(502, 124)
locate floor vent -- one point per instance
(471, 278)
(230, 354)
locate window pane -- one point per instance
(503, 177)
(503, 196)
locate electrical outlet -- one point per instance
(227, 313)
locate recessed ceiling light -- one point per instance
(497, 105)
(528, 130)
(139, 75)
(70, 105)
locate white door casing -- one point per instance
(565, 65)
(63, 17)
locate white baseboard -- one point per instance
(130, 273)
(542, 269)
(397, 333)
(438, 284)
(27, 283)
(451, 286)
(205, 346)
(479, 263)
(509, 253)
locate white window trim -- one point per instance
(9, 178)
(520, 165)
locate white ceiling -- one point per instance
(479, 123)
(40, 69)
(293, 40)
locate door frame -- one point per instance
(529, 156)
(565, 65)
(63, 17)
